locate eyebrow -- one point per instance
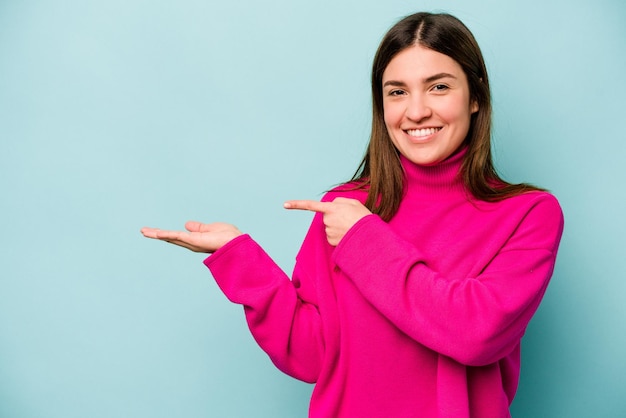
(393, 83)
(438, 77)
(430, 79)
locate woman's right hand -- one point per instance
(199, 237)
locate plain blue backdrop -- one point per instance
(115, 114)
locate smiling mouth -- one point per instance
(420, 133)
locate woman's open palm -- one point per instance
(199, 237)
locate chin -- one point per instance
(425, 160)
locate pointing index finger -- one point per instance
(311, 205)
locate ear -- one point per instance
(474, 106)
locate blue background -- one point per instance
(115, 114)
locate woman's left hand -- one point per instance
(339, 215)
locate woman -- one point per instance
(417, 279)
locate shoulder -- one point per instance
(542, 201)
(523, 202)
(540, 217)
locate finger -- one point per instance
(189, 240)
(195, 226)
(184, 244)
(162, 234)
(172, 235)
(149, 232)
(312, 205)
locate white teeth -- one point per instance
(422, 132)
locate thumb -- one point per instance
(195, 226)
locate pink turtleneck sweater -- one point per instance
(418, 317)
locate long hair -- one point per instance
(380, 171)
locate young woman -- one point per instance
(417, 279)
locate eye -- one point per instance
(440, 87)
(396, 92)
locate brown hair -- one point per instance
(380, 171)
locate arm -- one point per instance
(279, 312)
(282, 314)
(475, 320)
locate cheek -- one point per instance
(391, 115)
(457, 112)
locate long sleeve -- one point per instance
(475, 319)
(280, 312)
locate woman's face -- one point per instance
(426, 103)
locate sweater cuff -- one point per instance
(358, 233)
(372, 246)
(244, 271)
(230, 245)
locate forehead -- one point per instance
(420, 62)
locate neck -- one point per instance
(441, 179)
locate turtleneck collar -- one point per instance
(441, 179)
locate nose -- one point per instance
(418, 108)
